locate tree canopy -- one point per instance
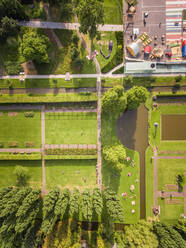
(168, 237)
(139, 235)
(9, 27)
(115, 156)
(114, 101)
(35, 47)
(90, 14)
(12, 9)
(135, 96)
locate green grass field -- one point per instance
(71, 128)
(70, 173)
(170, 213)
(121, 183)
(113, 11)
(168, 170)
(20, 128)
(7, 173)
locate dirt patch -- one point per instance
(12, 113)
(174, 201)
(1, 114)
(171, 187)
(29, 68)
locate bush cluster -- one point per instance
(29, 114)
(13, 144)
(29, 144)
(1, 144)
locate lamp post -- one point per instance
(156, 127)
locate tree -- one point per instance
(9, 27)
(49, 217)
(35, 47)
(22, 175)
(181, 227)
(135, 96)
(115, 156)
(87, 205)
(113, 206)
(167, 236)
(12, 9)
(139, 235)
(74, 203)
(97, 201)
(62, 203)
(114, 101)
(90, 13)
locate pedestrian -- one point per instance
(160, 25)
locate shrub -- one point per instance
(75, 39)
(29, 144)
(12, 67)
(1, 144)
(180, 181)
(178, 78)
(13, 144)
(29, 114)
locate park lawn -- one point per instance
(149, 171)
(168, 170)
(122, 182)
(155, 116)
(48, 83)
(62, 60)
(20, 128)
(170, 213)
(111, 82)
(70, 173)
(71, 128)
(112, 11)
(46, 98)
(105, 38)
(8, 178)
(157, 81)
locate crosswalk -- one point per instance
(174, 10)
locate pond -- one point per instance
(173, 127)
(132, 131)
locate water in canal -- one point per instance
(132, 131)
(173, 127)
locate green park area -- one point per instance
(170, 211)
(168, 170)
(8, 177)
(170, 162)
(71, 128)
(70, 174)
(113, 11)
(121, 182)
(20, 129)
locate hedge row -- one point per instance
(33, 156)
(53, 157)
(58, 151)
(65, 97)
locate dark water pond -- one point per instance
(132, 131)
(173, 127)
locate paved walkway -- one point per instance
(20, 150)
(70, 26)
(43, 147)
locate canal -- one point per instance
(132, 131)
